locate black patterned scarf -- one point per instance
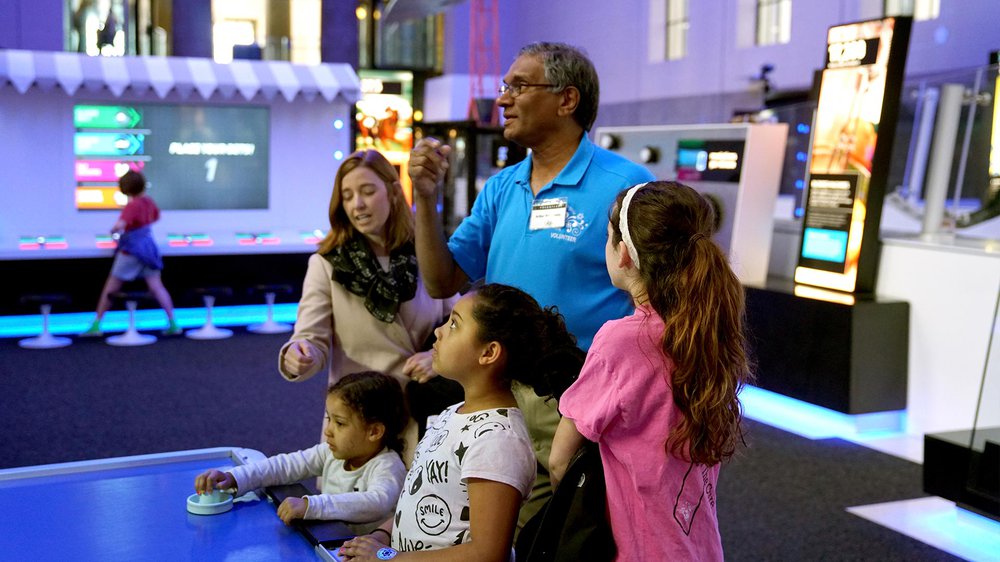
(357, 269)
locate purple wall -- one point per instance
(32, 24)
(610, 32)
(192, 28)
(961, 38)
(456, 42)
(339, 33)
(722, 57)
(457, 25)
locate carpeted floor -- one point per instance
(783, 498)
(91, 400)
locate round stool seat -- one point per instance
(269, 326)
(131, 337)
(213, 291)
(209, 331)
(137, 296)
(45, 298)
(45, 340)
(276, 288)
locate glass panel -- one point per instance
(266, 30)
(898, 7)
(413, 44)
(407, 44)
(799, 117)
(919, 9)
(305, 32)
(974, 186)
(774, 21)
(982, 493)
(235, 24)
(677, 29)
(785, 21)
(96, 27)
(927, 10)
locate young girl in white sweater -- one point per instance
(359, 462)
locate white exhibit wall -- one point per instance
(952, 286)
(37, 181)
(952, 291)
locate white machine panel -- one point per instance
(738, 166)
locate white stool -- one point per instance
(45, 340)
(269, 326)
(209, 331)
(131, 337)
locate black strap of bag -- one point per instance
(573, 524)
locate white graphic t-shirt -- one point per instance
(433, 508)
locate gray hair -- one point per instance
(566, 66)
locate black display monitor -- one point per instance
(195, 157)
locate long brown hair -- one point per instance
(399, 225)
(691, 286)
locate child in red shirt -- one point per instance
(136, 253)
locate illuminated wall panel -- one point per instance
(849, 164)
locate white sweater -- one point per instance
(365, 496)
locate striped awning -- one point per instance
(72, 72)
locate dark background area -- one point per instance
(82, 279)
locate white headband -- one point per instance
(623, 224)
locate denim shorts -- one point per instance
(128, 268)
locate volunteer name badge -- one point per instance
(548, 213)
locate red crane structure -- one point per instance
(484, 61)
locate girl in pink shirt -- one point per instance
(658, 391)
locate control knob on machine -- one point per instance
(649, 155)
(610, 142)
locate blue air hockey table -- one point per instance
(135, 508)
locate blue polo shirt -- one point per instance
(565, 266)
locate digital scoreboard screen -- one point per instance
(709, 160)
(194, 157)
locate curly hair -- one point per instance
(541, 352)
(377, 398)
(691, 286)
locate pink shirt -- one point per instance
(660, 507)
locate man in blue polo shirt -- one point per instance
(540, 225)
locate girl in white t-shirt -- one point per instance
(475, 465)
(359, 462)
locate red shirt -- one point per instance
(139, 212)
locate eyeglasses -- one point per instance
(518, 89)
